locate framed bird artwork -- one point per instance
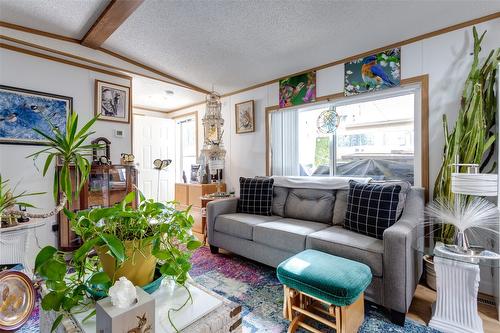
(374, 72)
(21, 110)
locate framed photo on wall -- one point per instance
(112, 101)
(21, 110)
(245, 117)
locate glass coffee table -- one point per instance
(457, 282)
(209, 312)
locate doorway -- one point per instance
(154, 138)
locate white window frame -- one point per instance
(415, 89)
(179, 146)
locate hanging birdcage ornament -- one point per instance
(328, 121)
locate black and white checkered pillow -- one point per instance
(256, 196)
(371, 208)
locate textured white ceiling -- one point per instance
(235, 44)
(151, 93)
(70, 18)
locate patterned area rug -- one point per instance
(257, 289)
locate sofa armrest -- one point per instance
(216, 208)
(402, 262)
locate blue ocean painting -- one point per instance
(22, 110)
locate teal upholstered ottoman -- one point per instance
(317, 282)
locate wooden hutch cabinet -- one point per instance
(190, 195)
(106, 186)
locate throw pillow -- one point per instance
(256, 196)
(405, 189)
(371, 208)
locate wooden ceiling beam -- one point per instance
(111, 18)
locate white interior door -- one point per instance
(154, 139)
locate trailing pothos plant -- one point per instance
(70, 283)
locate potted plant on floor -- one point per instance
(472, 139)
(117, 241)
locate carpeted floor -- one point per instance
(257, 289)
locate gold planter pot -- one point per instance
(139, 266)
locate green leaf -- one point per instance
(90, 315)
(169, 269)
(45, 254)
(56, 323)
(129, 197)
(52, 301)
(56, 285)
(99, 278)
(52, 270)
(115, 246)
(79, 254)
(193, 244)
(48, 161)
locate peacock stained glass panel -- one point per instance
(374, 72)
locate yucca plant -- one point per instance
(472, 139)
(69, 149)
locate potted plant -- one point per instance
(9, 199)
(117, 241)
(472, 138)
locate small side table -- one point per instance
(457, 280)
(204, 201)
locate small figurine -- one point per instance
(184, 178)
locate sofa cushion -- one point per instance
(335, 280)
(348, 244)
(280, 194)
(256, 196)
(340, 207)
(371, 208)
(239, 224)
(285, 234)
(310, 204)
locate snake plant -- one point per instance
(473, 137)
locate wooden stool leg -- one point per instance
(352, 316)
(295, 323)
(285, 302)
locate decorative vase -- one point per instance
(430, 273)
(139, 267)
(462, 242)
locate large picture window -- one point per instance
(375, 138)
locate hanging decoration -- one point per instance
(213, 147)
(328, 121)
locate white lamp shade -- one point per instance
(480, 184)
(216, 164)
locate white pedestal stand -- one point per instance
(456, 306)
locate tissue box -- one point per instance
(139, 317)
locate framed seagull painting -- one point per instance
(21, 110)
(374, 72)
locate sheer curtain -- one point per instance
(285, 143)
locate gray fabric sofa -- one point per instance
(305, 219)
